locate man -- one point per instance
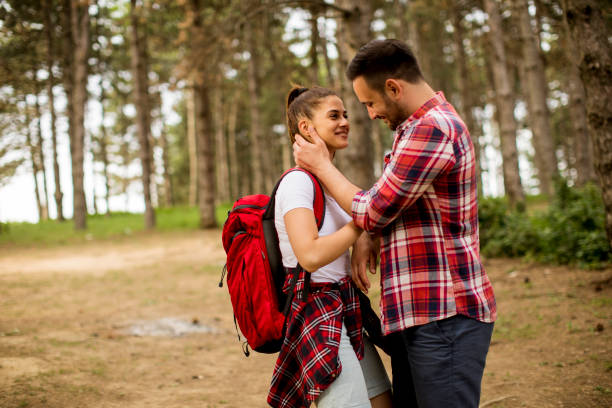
(437, 303)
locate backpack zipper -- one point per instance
(240, 207)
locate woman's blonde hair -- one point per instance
(300, 104)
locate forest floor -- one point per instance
(66, 311)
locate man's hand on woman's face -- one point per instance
(310, 156)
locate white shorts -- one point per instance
(359, 381)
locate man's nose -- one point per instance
(371, 113)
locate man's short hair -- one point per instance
(380, 60)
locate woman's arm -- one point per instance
(311, 250)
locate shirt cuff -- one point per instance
(358, 209)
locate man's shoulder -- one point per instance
(444, 118)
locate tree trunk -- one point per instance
(41, 158)
(378, 149)
(465, 89)
(168, 188)
(258, 171)
(80, 35)
(314, 42)
(34, 159)
(590, 30)
(220, 149)
(535, 86)
(104, 150)
(201, 76)
(399, 22)
(206, 157)
(582, 145)
(48, 4)
(356, 161)
(140, 71)
(235, 190)
(331, 78)
(192, 146)
(505, 107)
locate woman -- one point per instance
(319, 360)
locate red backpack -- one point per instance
(255, 272)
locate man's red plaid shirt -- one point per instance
(425, 208)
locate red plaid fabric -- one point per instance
(308, 361)
(425, 208)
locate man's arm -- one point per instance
(419, 158)
(314, 157)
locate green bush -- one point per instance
(570, 231)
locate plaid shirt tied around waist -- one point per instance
(308, 361)
(425, 208)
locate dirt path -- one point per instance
(65, 312)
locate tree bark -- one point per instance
(104, 150)
(192, 146)
(353, 31)
(232, 117)
(80, 40)
(35, 167)
(202, 75)
(399, 22)
(206, 157)
(58, 195)
(589, 30)
(220, 149)
(258, 171)
(582, 144)
(465, 88)
(331, 78)
(41, 157)
(535, 87)
(168, 187)
(140, 71)
(505, 107)
(314, 42)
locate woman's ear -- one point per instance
(303, 127)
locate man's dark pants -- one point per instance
(440, 364)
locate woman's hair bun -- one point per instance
(294, 93)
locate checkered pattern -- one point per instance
(425, 208)
(308, 361)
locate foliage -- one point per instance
(570, 231)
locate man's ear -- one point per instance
(393, 89)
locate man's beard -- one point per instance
(394, 114)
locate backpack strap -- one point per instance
(318, 205)
(271, 236)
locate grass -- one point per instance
(101, 227)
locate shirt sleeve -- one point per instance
(419, 158)
(295, 191)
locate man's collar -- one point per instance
(436, 100)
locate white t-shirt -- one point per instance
(296, 191)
